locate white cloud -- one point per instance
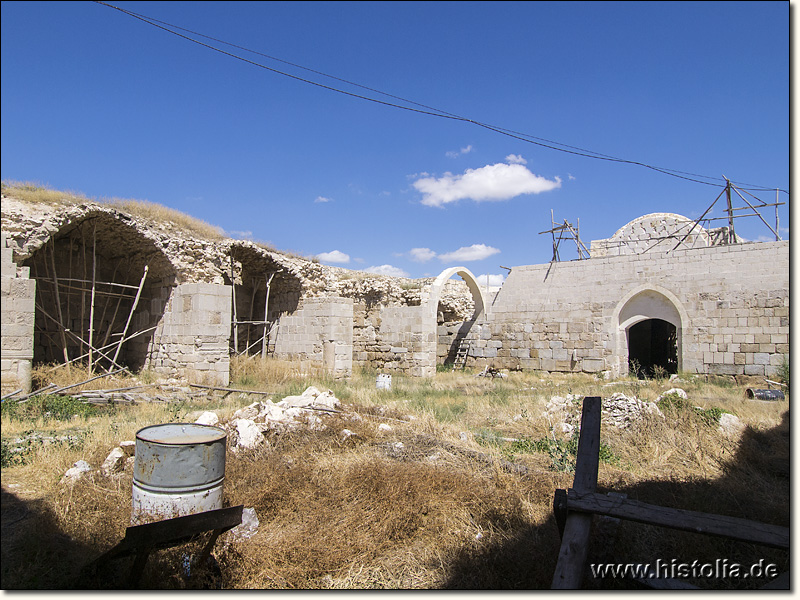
(494, 280)
(387, 270)
(490, 183)
(335, 257)
(516, 159)
(320, 199)
(422, 254)
(469, 253)
(454, 154)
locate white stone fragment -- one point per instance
(114, 462)
(207, 418)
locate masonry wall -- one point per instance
(18, 301)
(564, 316)
(191, 340)
(319, 333)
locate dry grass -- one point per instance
(418, 506)
(38, 193)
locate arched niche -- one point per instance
(92, 292)
(263, 290)
(649, 329)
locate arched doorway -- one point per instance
(652, 348)
(650, 322)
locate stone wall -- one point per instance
(732, 302)
(728, 304)
(191, 340)
(320, 334)
(17, 295)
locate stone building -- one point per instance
(118, 287)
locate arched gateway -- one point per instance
(649, 330)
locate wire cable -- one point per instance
(421, 108)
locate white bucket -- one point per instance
(383, 382)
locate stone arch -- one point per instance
(472, 285)
(101, 246)
(448, 337)
(254, 269)
(654, 315)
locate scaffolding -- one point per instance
(566, 230)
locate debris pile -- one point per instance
(248, 425)
(619, 411)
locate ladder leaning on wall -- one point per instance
(462, 354)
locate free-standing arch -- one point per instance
(649, 324)
(472, 283)
(451, 341)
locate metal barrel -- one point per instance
(764, 394)
(179, 470)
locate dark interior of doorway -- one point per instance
(652, 348)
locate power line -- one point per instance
(421, 108)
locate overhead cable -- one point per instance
(418, 107)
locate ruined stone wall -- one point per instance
(319, 334)
(191, 341)
(17, 296)
(733, 302)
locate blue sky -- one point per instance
(502, 103)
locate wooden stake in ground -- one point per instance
(575, 540)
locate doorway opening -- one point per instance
(652, 349)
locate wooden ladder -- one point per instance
(462, 354)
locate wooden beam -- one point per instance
(575, 541)
(674, 518)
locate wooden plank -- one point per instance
(575, 540)
(675, 518)
(172, 530)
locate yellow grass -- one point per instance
(425, 504)
(42, 193)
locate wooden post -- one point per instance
(58, 302)
(130, 315)
(94, 285)
(235, 315)
(266, 310)
(575, 541)
(731, 232)
(777, 220)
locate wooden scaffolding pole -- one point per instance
(130, 315)
(94, 286)
(266, 311)
(235, 314)
(62, 327)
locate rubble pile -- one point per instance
(618, 410)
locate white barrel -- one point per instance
(383, 381)
(179, 470)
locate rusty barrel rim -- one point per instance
(205, 434)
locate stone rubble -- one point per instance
(618, 410)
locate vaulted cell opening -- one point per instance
(101, 289)
(650, 326)
(652, 348)
(263, 290)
